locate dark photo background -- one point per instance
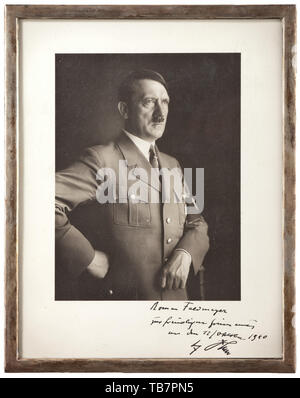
(203, 130)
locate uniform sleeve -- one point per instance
(195, 238)
(74, 186)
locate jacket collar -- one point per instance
(135, 159)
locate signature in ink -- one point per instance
(195, 347)
(222, 345)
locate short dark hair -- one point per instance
(126, 87)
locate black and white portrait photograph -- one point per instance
(147, 202)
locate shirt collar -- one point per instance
(143, 146)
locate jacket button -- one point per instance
(166, 259)
(110, 292)
(169, 240)
(168, 220)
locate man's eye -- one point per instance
(149, 101)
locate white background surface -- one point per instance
(3, 188)
(260, 44)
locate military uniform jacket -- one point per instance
(139, 236)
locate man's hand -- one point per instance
(176, 270)
(99, 266)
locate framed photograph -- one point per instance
(150, 165)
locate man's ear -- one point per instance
(123, 109)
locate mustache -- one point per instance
(158, 119)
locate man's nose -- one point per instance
(158, 112)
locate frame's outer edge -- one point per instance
(289, 198)
(287, 13)
(11, 289)
(149, 11)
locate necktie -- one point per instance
(153, 157)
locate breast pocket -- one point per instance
(133, 212)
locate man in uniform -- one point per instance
(150, 245)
